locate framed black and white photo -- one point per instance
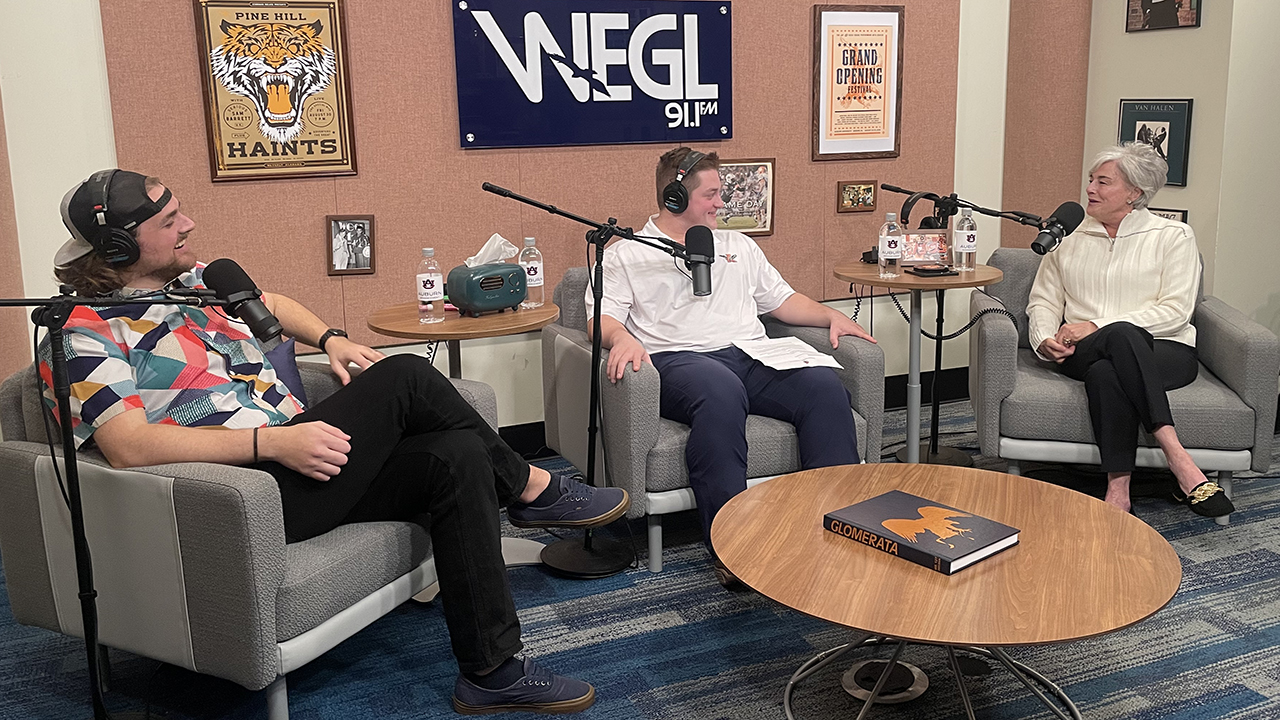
(1164, 125)
(1161, 14)
(1169, 213)
(350, 244)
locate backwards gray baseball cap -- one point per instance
(106, 199)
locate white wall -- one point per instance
(1167, 64)
(1247, 276)
(57, 115)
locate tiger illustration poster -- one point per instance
(277, 95)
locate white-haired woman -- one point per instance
(1113, 306)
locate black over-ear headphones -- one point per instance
(116, 245)
(675, 196)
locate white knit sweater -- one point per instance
(1147, 275)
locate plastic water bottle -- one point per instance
(430, 289)
(890, 246)
(531, 261)
(964, 241)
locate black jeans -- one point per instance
(1126, 374)
(418, 447)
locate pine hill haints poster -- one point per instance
(277, 96)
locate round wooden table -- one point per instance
(402, 321)
(860, 273)
(1081, 568)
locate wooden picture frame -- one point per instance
(856, 195)
(1164, 125)
(857, 81)
(350, 244)
(1143, 15)
(296, 128)
(1170, 214)
(746, 188)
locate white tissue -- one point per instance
(495, 250)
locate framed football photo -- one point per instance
(277, 96)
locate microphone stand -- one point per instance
(52, 313)
(566, 557)
(944, 208)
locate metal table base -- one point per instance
(1020, 671)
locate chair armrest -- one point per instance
(1246, 356)
(861, 372)
(318, 380)
(231, 537)
(481, 397)
(202, 543)
(993, 365)
(629, 410)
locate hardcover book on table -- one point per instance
(927, 533)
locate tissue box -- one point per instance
(485, 288)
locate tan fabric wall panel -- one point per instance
(14, 351)
(424, 190)
(1045, 109)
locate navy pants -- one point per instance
(713, 392)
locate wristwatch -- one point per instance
(331, 332)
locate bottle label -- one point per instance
(890, 247)
(966, 241)
(532, 273)
(430, 287)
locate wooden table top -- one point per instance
(1081, 568)
(402, 321)
(868, 274)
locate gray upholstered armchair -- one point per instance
(644, 453)
(1026, 410)
(190, 560)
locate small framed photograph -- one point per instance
(1179, 215)
(1164, 125)
(856, 196)
(1161, 14)
(857, 81)
(746, 188)
(350, 244)
(925, 247)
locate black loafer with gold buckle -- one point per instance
(1207, 499)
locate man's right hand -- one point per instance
(315, 449)
(625, 350)
(1055, 350)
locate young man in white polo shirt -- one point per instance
(649, 314)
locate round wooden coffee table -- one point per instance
(402, 321)
(1082, 568)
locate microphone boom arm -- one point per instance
(945, 207)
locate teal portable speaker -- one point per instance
(485, 288)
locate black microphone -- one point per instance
(232, 284)
(700, 244)
(1062, 223)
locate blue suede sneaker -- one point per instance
(578, 506)
(539, 691)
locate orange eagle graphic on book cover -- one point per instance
(937, 520)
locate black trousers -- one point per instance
(418, 447)
(1126, 374)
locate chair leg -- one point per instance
(1224, 479)
(278, 700)
(655, 542)
(1015, 468)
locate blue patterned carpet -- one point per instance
(676, 645)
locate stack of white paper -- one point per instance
(786, 353)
